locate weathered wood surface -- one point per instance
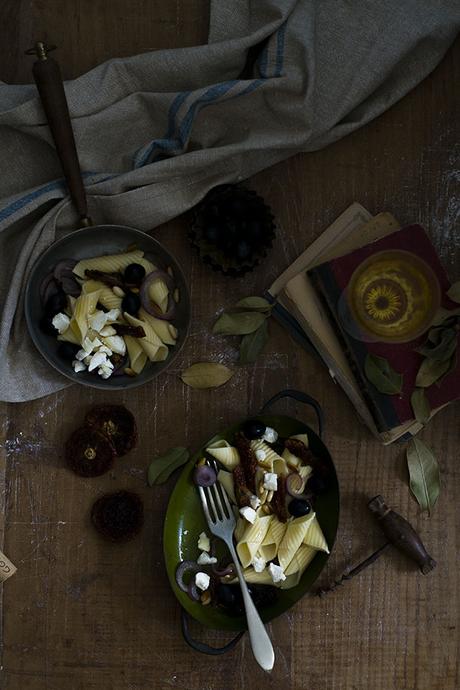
(84, 615)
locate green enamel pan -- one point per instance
(185, 520)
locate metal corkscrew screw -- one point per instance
(399, 533)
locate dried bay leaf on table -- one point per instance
(252, 344)
(380, 373)
(420, 405)
(206, 375)
(430, 371)
(424, 474)
(454, 292)
(253, 304)
(238, 324)
(161, 468)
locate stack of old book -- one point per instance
(311, 301)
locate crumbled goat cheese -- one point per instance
(270, 481)
(270, 435)
(276, 573)
(203, 542)
(61, 322)
(249, 514)
(202, 581)
(205, 559)
(260, 455)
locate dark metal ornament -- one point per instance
(399, 533)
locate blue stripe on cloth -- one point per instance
(280, 49)
(213, 94)
(18, 204)
(28, 198)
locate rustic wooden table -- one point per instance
(85, 615)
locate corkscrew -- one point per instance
(399, 533)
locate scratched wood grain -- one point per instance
(81, 614)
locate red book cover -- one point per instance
(342, 282)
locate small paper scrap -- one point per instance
(7, 569)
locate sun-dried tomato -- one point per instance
(117, 423)
(278, 501)
(300, 450)
(89, 452)
(118, 516)
(248, 460)
(242, 492)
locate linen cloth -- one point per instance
(156, 131)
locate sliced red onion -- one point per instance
(64, 267)
(192, 591)
(295, 485)
(70, 286)
(204, 476)
(149, 306)
(183, 568)
(223, 572)
(48, 288)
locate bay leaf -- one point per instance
(424, 476)
(420, 405)
(161, 468)
(252, 344)
(444, 348)
(454, 292)
(206, 375)
(451, 367)
(442, 314)
(430, 371)
(380, 373)
(254, 303)
(238, 324)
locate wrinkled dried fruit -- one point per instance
(118, 516)
(89, 452)
(117, 423)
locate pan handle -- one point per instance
(201, 646)
(303, 398)
(49, 83)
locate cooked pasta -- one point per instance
(314, 536)
(252, 539)
(226, 454)
(84, 305)
(137, 356)
(109, 263)
(107, 297)
(164, 330)
(153, 347)
(272, 540)
(159, 293)
(293, 538)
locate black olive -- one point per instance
(263, 595)
(226, 595)
(46, 325)
(318, 485)
(299, 507)
(67, 351)
(243, 250)
(131, 303)
(212, 233)
(56, 303)
(253, 429)
(134, 274)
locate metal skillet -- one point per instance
(90, 240)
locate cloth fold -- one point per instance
(156, 131)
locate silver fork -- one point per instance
(221, 521)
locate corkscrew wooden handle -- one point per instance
(49, 83)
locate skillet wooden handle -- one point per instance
(49, 83)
